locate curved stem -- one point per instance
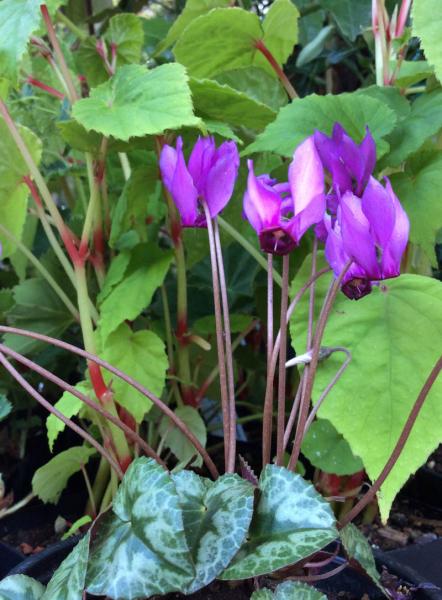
(268, 401)
(93, 405)
(369, 496)
(282, 358)
(39, 398)
(129, 380)
(293, 412)
(254, 252)
(42, 270)
(259, 45)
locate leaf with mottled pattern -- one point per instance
(67, 583)
(20, 587)
(358, 549)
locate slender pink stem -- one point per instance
(225, 406)
(293, 411)
(68, 422)
(282, 359)
(129, 380)
(269, 309)
(402, 17)
(46, 88)
(93, 405)
(229, 353)
(369, 496)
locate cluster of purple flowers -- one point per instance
(357, 218)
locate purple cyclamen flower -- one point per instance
(349, 164)
(281, 213)
(209, 177)
(373, 232)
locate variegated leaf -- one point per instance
(216, 518)
(291, 522)
(140, 548)
(68, 581)
(358, 549)
(20, 587)
(290, 590)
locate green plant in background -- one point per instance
(123, 285)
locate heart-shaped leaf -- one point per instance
(68, 581)
(291, 522)
(290, 590)
(20, 587)
(358, 549)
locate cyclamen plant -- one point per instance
(166, 514)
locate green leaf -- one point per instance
(70, 406)
(192, 10)
(427, 24)
(20, 587)
(68, 581)
(115, 274)
(351, 17)
(216, 516)
(139, 201)
(314, 48)
(296, 590)
(13, 192)
(418, 189)
(291, 521)
(140, 548)
(262, 595)
(357, 548)
(222, 129)
(177, 442)
(424, 120)
(51, 479)
(6, 302)
(155, 31)
(380, 331)
(280, 28)
(142, 356)
(298, 120)
(137, 102)
(256, 84)
(390, 96)
(18, 20)
(39, 309)
(413, 71)
(146, 271)
(76, 525)
(207, 326)
(214, 100)
(125, 33)
(327, 450)
(5, 407)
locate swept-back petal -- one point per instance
(200, 161)
(392, 255)
(221, 177)
(262, 205)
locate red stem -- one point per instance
(47, 88)
(259, 45)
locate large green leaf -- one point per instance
(214, 100)
(70, 406)
(216, 518)
(145, 273)
(68, 581)
(352, 17)
(390, 363)
(175, 439)
(137, 102)
(20, 587)
(291, 521)
(359, 550)
(192, 10)
(5, 407)
(140, 548)
(125, 33)
(13, 192)
(290, 590)
(298, 120)
(427, 24)
(38, 308)
(18, 20)
(327, 450)
(51, 479)
(257, 84)
(142, 355)
(225, 39)
(419, 190)
(424, 120)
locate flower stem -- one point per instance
(225, 405)
(310, 376)
(269, 309)
(259, 45)
(369, 496)
(282, 358)
(256, 254)
(82, 35)
(229, 353)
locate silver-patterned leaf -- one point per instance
(358, 549)
(262, 595)
(291, 522)
(216, 518)
(68, 581)
(140, 549)
(290, 590)
(20, 587)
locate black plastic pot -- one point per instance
(9, 559)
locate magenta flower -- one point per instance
(209, 177)
(349, 164)
(373, 232)
(281, 213)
